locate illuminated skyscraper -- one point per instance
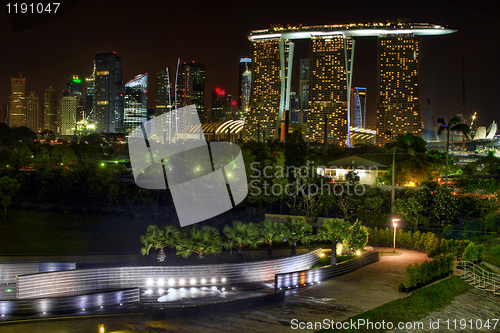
(244, 83)
(191, 88)
(50, 121)
(163, 90)
(90, 97)
(68, 113)
(304, 83)
(330, 74)
(398, 108)
(74, 88)
(136, 102)
(358, 105)
(108, 93)
(270, 62)
(17, 102)
(32, 112)
(329, 88)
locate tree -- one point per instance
(410, 209)
(297, 230)
(295, 150)
(453, 125)
(271, 232)
(306, 197)
(8, 187)
(336, 232)
(158, 238)
(352, 177)
(200, 240)
(239, 235)
(357, 238)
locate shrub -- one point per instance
(401, 241)
(408, 240)
(473, 252)
(415, 239)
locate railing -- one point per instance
(314, 276)
(477, 276)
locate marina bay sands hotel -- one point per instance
(331, 62)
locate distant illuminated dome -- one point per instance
(351, 30)
(483, 134)
(221, 127)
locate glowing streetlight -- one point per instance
(101, 328)
(395, 227)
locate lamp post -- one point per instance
(395, 227)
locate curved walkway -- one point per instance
(336, 299)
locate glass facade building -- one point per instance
(50, 121)
(108, 93)
(191, 90)
(32, 112)
(135, 103)
(358, 104)
(244, 83)
(74, 88)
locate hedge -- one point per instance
(417, 275)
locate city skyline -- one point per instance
(440, 81)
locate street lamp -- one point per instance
(395, 227)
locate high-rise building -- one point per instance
(221, 105)
(244, 83)
(68, 114)
(33, 112)
(74, 88)
(3, 113)
(191, 88)
(330, 75)
(90, 97)
(398, 108)
(270, 61)
(304, 83)
(17, 102)
(108, 93)
(329, 88)
(358, 105)
(135, 103)
(163, 102)
(50, 118)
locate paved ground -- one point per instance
(476, 305)
(336, 299)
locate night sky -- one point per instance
(150, 35)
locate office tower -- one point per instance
(50, 119)
(398, 108)
(163, 102)
(68, 113)
(90, 96)
(358, 104)
(74, 88)
(221, 105)
(3, 113)
(191, 89)
(244, 83)
(108, 93)
(32, 112)
(135, 103)
(270, 82)
(304, 83)
(329, 88)
(17, 102)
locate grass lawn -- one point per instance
(414, 307)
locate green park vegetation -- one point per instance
(414, 307)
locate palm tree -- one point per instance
(297, 231)
(158, 238)
(240, 235)
(272, 232)
(336, 232)
(453, 125)
(204, 240)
